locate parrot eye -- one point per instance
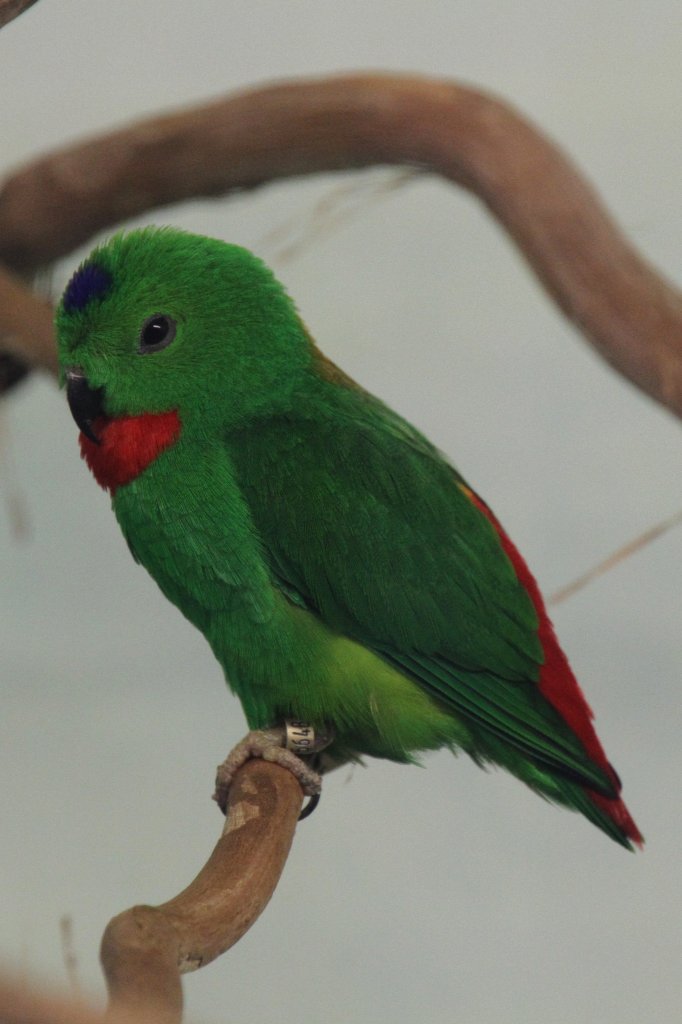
(157, 332)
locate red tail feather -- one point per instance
(560, 687)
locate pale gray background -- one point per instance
(438, 895)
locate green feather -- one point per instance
(329, 553)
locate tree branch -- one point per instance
(11, 9)
(629, 312)
(24, 1003)
(26, 323)
(145, 949)
(13, 368)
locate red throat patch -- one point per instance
(128, 445)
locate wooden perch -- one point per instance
(631, 315)
(58, 202)
(145, 949)
(21, 1004)
(26, 323)
(10, 9)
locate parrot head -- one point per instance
(160, 320)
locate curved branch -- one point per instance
(25, 1003)
(11, 9)
(145, 949)
(631, 315)
(26, 323)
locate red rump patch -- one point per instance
(560, 687)
(128, 445)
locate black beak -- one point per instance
(86, 403)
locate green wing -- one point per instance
(366, 524)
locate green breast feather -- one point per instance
(339, 567)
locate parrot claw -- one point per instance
(269, 744)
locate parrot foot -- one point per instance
(276, 744)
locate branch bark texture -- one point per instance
(26, 323)
(628, 311)
(25, 1003)
(11, 9)
(631, 315)
(146, 949)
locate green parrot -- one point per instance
(343, 572)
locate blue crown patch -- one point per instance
(89, 282)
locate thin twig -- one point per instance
(11, 492)
(615, 558)
(69, 953)
(335, 209)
